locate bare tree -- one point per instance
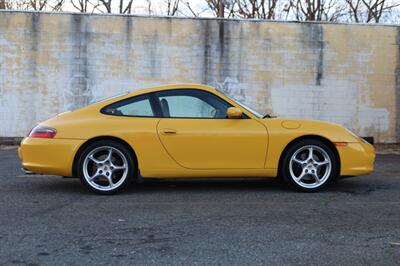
(264, 9)
(37, 5)
(9, 4)
(81, 5)
(354, 9)
(172, 7)
(124, 6)
(316, 10)
(271, 9)
(58, 5)
(220, 7)
(193, 11)
(107, 5)
(309, 10)
(127, 9)
(3, 4)
(149, 7)
(375, 9)
(370, 10)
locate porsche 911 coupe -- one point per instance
(190, 131)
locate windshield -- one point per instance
(257, 114)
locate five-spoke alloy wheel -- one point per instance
(106, 167)
(309, 165)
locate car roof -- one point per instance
(173, 86)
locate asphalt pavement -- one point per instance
(48, 220)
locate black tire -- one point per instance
(285, 170)
(116, 146)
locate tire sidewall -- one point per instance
(297, 145)
(129, 157)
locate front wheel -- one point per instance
(309, 165)
(106, 167)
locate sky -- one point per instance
(159, 8)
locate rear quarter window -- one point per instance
(139, 106)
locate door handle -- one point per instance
(168, 131)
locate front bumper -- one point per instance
(48, 156)
(356, 159)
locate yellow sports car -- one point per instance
(189, 131)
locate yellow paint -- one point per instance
(234, 113)
(200, 147)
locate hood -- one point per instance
(301, 127)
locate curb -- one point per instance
(10, 141)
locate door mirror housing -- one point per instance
(234, 113)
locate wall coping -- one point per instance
(204, 18)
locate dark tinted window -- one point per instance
(136, 106)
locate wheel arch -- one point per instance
(98, 138)
(313, 137)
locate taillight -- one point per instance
(43, 132)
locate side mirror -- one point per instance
(234, 113)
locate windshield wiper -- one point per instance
(267, 116)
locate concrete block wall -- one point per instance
(349, 74)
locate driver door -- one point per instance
(196, 133)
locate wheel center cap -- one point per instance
(103, 168)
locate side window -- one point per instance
(136, 106)
(191, 103)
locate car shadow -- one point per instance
(173, 185)
(73, 185)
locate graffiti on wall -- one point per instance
(231, 87)
(78, 92)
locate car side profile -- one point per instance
(190, 131)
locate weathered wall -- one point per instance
(341, 73)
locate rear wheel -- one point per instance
(106, 167)
(309, 165)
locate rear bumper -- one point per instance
(48, 156)
(356, 159)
